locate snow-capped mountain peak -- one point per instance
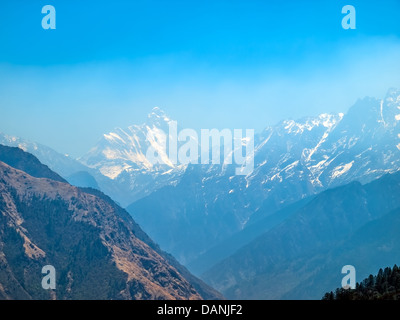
(157, 114)
(121, 155)
(125, 149)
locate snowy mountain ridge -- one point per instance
(125, 150)
(293, 160)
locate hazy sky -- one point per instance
(234, 64)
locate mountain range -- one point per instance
(309, 193)
(293, 161)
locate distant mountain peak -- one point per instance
(157, 115)
(157, 111)
(121, 155)
(125, 149)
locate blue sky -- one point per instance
(234, 64)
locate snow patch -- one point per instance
(112, 171)
(340, 170)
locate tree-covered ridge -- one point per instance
(94, 250)
(384, 286)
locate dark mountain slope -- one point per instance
(93, 249)
(374, 245)
(243, 237)
(26, 161)
(285, 257)
(18, 159)
(205, 290)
